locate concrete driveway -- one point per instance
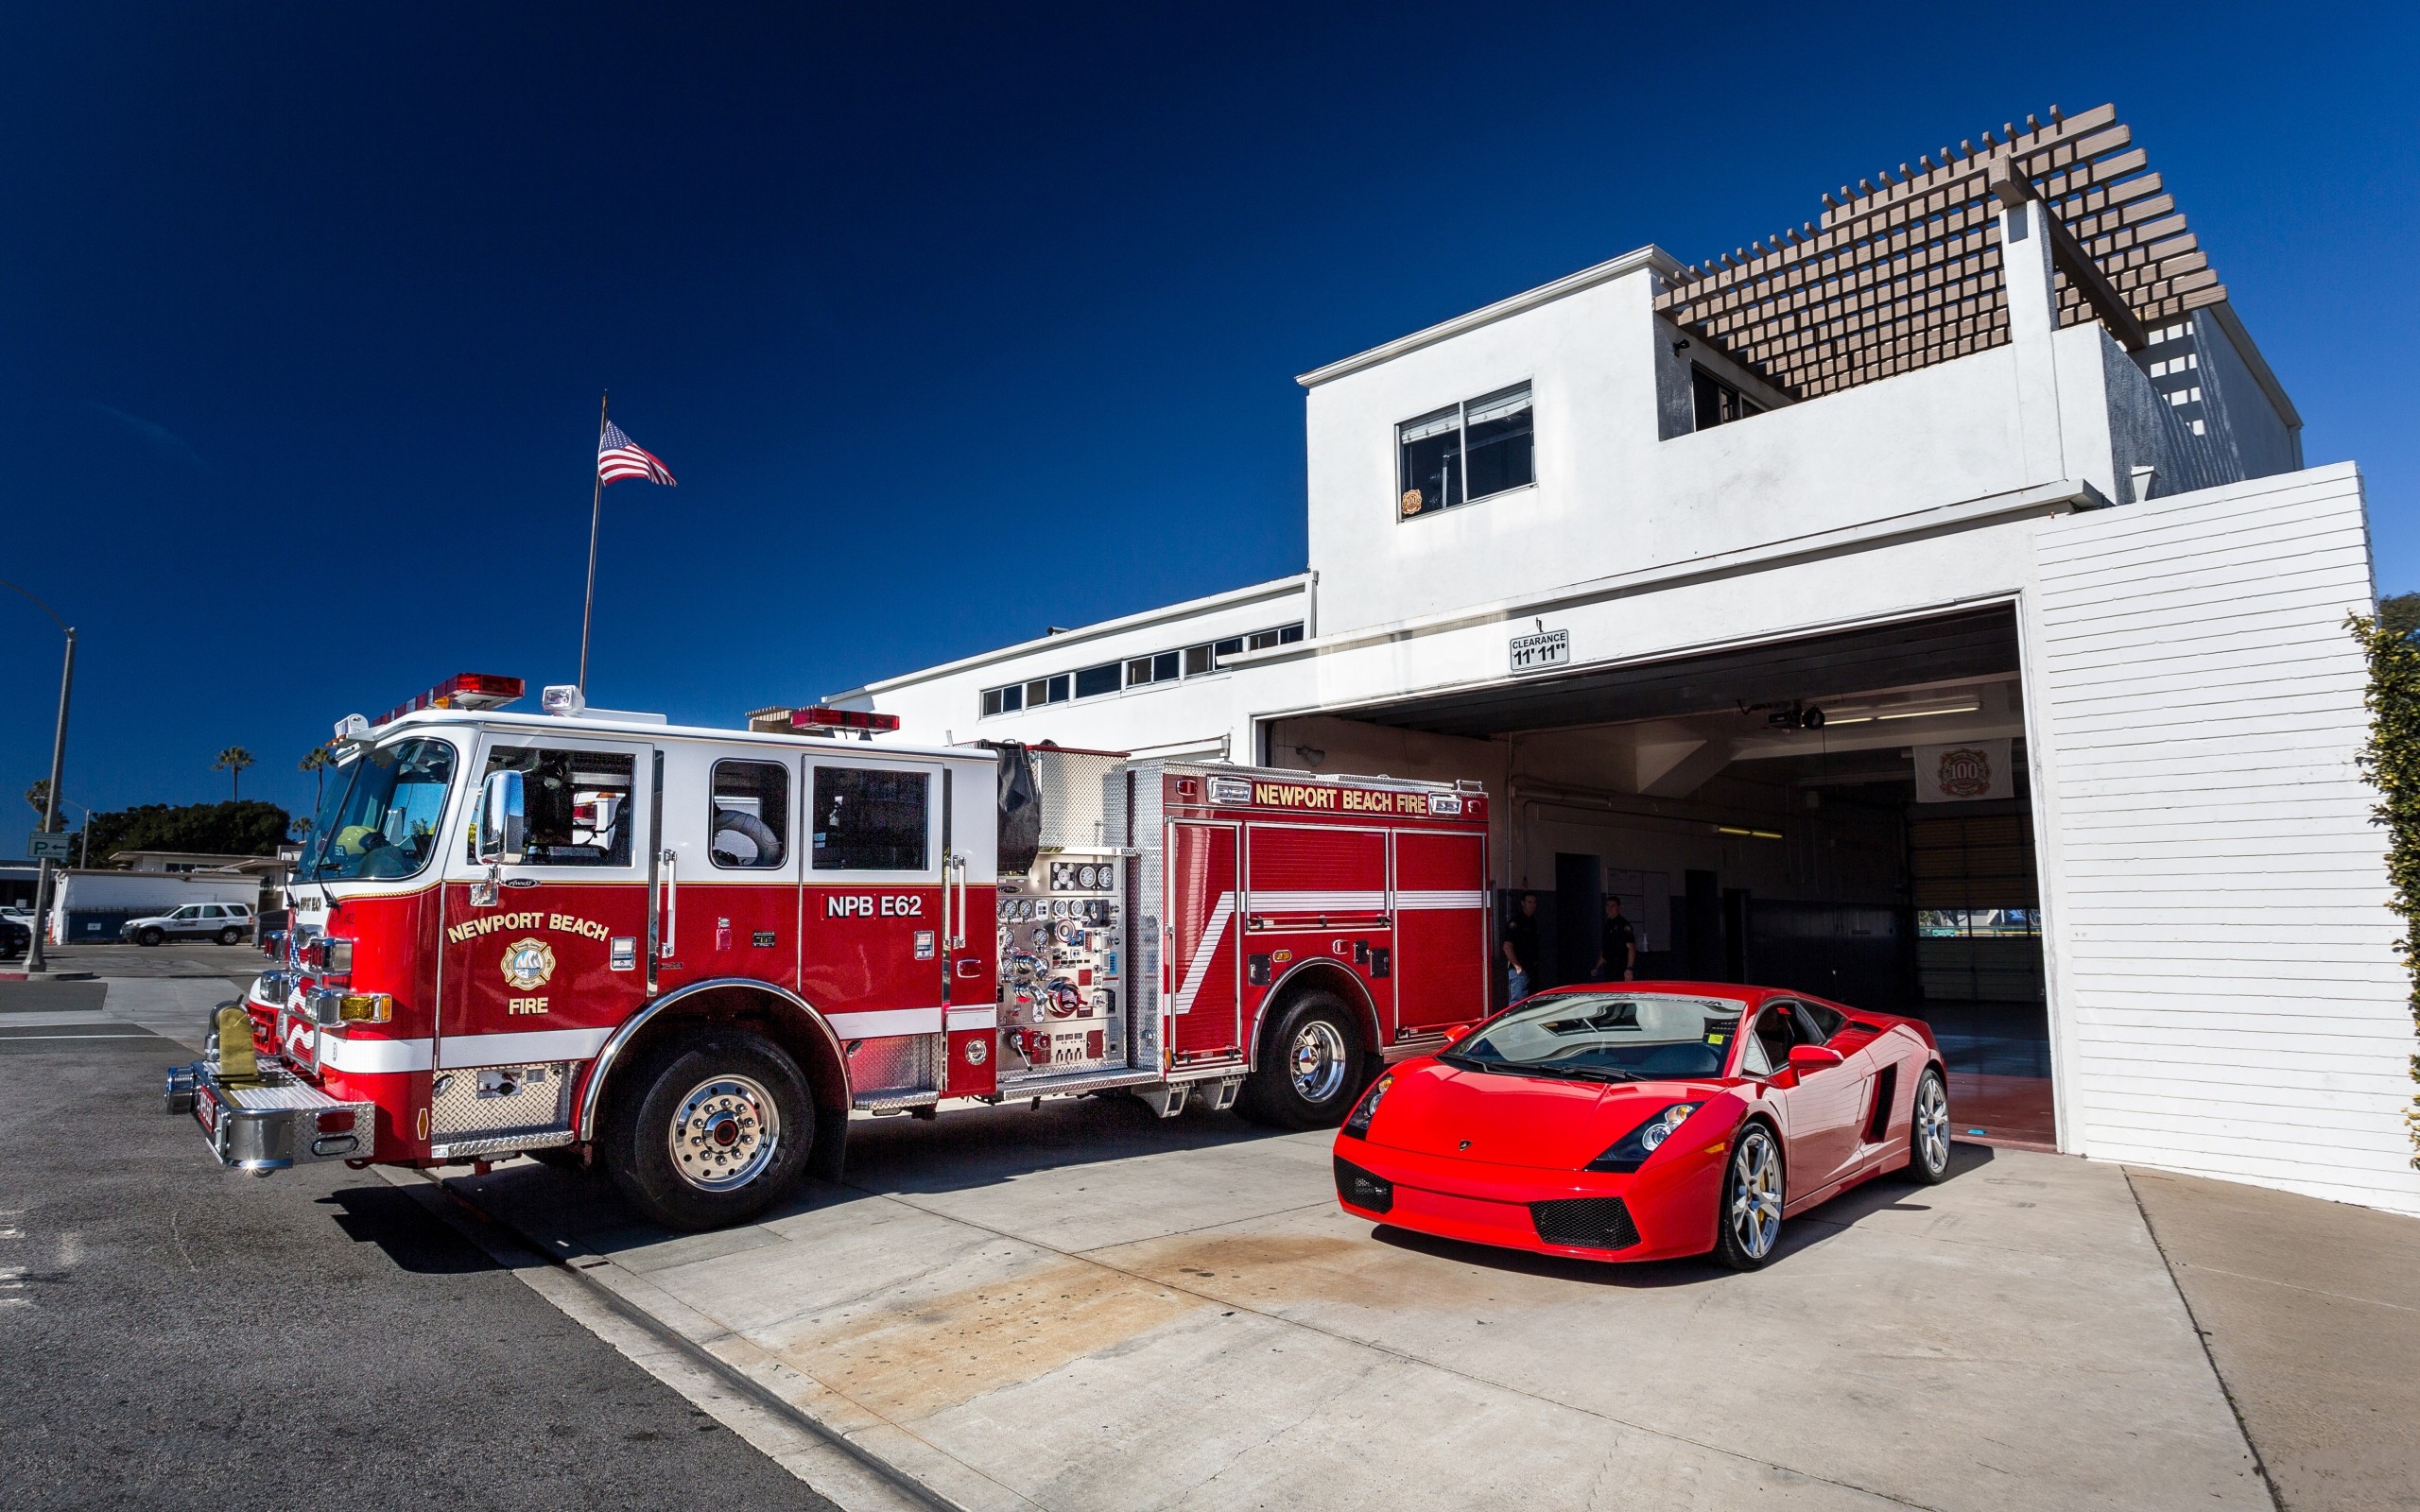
(1082, 1307)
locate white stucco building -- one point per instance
(1983, 465)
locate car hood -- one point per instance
(1435, 1109)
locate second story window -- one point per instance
(1480, 447)
(1160, 668)
(1719, 402)
(1195, 660)
(1031, 694)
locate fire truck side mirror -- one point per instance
(501, 826)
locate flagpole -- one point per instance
(595, 506)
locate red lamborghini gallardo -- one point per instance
(1646, 1120)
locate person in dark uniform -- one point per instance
(1521, 950)
(1618, 946)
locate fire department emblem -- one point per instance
(1965, 772)
(527, 963)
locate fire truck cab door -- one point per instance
(875, 907)
(1204, 955)
(546, 971)
(727, 864)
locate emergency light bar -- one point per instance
(820, 717)
(463, 690)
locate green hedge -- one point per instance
(2391, 761)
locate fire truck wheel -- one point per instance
(709, 1131)
(1310, 1069)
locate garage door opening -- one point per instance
(1847, 814)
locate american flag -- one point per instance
(618, 457)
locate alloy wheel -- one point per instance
(1932, 1123)
(1756, 1194)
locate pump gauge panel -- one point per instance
(1082, 876)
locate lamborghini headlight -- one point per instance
(1359, 1124)
(1630, 1151)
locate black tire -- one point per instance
(229, 937)
(720, 1084)
(1929, 1131)
(148, 936)
(1310, 1067)
(1756, 1173)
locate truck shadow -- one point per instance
(414, 1239)
(964, 1150)
(978, 1148)
(1806, 1232)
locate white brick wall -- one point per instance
(2222, 956)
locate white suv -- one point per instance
(224, 922)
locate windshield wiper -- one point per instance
(1540, 1068)
(1587, 1073)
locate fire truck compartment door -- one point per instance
(552, 967)
(1441, 944)
(1302, 874)
(1203, 990)
(1319, 888)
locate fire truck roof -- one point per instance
(654, 727)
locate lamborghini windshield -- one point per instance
(1605, 1036)
(381, 815)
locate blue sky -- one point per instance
(954, 321)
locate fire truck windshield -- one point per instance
(381, 820)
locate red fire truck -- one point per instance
(688, 955)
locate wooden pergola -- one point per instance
(1906, 273)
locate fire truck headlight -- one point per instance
(366, 1007)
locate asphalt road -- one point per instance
(173, 1333)
(176, 958)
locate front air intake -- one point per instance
(1360, 1188)
(1583, 1223)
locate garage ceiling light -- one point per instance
(1968, 706)
(1866, 714)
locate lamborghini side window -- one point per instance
(1826, 1022)
(1768, 1048)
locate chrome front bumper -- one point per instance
(276, 1121)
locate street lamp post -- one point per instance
(34, 959)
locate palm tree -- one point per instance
(232, 761)
(317, 764)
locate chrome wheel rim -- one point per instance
(1756, 1194)
(1932, 1123)
(725, 1133)
(1317, 1060)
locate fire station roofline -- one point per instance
(1649, 256)
(1274, 587)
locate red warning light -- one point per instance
(820, 717)
(463, 690)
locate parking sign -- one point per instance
(49, 845)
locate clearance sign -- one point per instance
(1322, 798)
